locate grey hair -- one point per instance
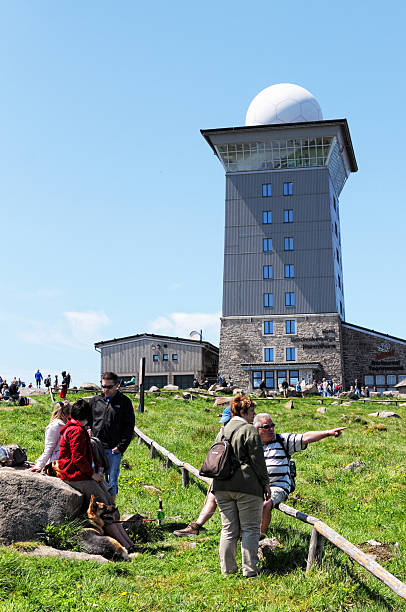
(258, 418)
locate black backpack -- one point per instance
(221, 462)
(292, 464)
(13, 455)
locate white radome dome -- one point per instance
(283, 103)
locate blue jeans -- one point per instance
(114, 460)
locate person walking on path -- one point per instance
(38, 378)
(64, 385)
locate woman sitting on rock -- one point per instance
(59, 417)
(76, 469)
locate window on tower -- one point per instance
(268, 328)
(267, 272)
(268, 300)
(290, 354)
(267, 216)
(289, 244)
(287, 189)
(290, 326)
(267, 190)
(289, 271)
(290, 298)
(288, 216)
(267, 244)
(338, 256)
(269, 354)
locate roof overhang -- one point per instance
(278, 127)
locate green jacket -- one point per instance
(247, 446)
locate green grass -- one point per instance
(178, 574)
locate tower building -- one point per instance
(283, 287)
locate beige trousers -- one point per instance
(239, 512)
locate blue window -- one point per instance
(267, 190)
(290, 354)
(341, 309)
(294, 377)
(174, 357)
(256, 379)
(155, 357)
(338, 256)
(336, 228)
(267, 216)
(339, 281)
(270, 380)
(287, 189)
(165, 357)
(268, 327)
(281, 377)
(267, 271)
(289, 244)
(267, 244)
(290, 298)
(289, 271)
(269, 354)
(268, 300)
(288, 216)
(290, 326)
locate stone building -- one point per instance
(283, 287)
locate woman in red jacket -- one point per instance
(76, 466)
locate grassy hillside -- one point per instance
(172, 573)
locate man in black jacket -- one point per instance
(113, 423)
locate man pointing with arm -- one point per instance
(277, 449)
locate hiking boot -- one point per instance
(188, 532)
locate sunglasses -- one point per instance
(267, 426)
(108, 386)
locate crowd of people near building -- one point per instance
(10, 392)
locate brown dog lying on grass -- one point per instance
(92, 536)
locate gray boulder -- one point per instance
(89, 386)
(29, 501)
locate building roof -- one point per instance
(290, 126)
(373, 332)
(155, 337)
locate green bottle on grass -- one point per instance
(160, 513)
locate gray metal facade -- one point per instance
(316, 266)
(164, 355)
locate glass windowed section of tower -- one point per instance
(283, 183)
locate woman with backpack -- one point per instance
(240, 497)
(59, 417)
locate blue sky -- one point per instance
(113, 204)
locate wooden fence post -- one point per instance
(185, 478)
(315, 549)
(152, 452)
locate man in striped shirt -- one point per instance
(276, 451)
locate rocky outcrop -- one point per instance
(29, 501)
